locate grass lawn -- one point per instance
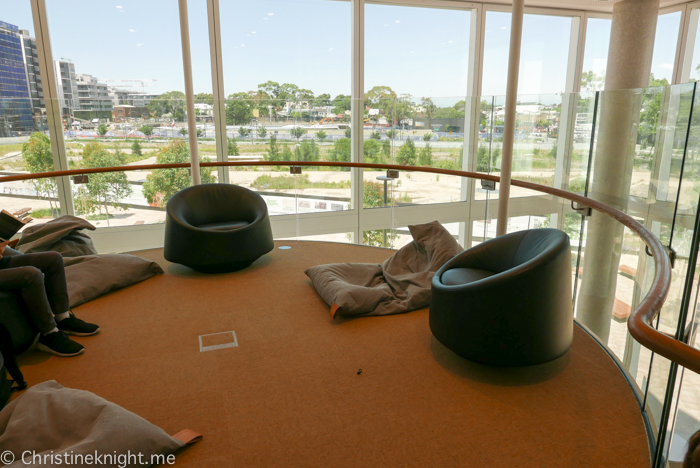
(4, 149)
(290, 183)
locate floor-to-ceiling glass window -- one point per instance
(691, 62)
(287, 74)
(665, 44)
(595, 54)
(416, 86)
(548, 51)
(24, 137)
(121, 90)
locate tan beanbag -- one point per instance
(51, 419)
(401, 284)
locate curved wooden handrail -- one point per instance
(640, 320)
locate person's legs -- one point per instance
(41, 280)
(54, 279)
(29, 281)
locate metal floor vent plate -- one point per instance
(215, 341)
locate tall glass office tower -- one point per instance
(15, 99)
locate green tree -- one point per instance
(38, 157)
(102, 130)
(375, 136)
(590, 81)
(119, 155)
(321, 135)
(373, 197)
(482, 159)
(403, 109)
(108, 188)
(543, 123)
(232, 147)
(243, 132)
(372, 150)
(348, 133)
(273, 153)
(172, 102)
(204, 98)
(649, 116)
(386, 148)
(496, 160)
(289, 91)
(382, 98)
(483, 108)
(307, 151)
(239, 109)
(407, 154)
(162, 184)
(322, 100)
(269, 98)
(425, 156)
(428, 136)
(262, 132)
(286, 154)
(429, 108)
(454, 112)
(84, 203)
(275, 95)
(297, 132)
(183, 131)
(147, 130)
(341, 104)
(391, 134)
(136, 148)
(341, 150)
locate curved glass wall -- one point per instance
(287, 69)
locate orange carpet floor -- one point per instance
(290, 393)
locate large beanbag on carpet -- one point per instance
(51, 419)
(65, 235)
(88, 274)
(91, 276)
(401, 284)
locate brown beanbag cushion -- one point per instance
(401, 284)
(49, 418)
(91, 276)
(65, 235)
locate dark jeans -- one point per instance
(41, 280)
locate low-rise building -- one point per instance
(94, 99)
(126, 111)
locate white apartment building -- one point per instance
(92, 95)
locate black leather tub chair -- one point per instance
(507, 301)
(216, 228)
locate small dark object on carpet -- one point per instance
(359, 372)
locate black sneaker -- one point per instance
(59, 344)
(74, 326)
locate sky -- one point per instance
(419, 51)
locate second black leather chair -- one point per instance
(215, 228)
(507, 301)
